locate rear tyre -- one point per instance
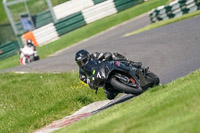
(121, 87)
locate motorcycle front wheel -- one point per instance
(153, 79)
(121, 87)
(27, 60)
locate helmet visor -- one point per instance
(82, 62)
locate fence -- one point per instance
(70, 23)
(71, 7)
(98, 1)
(45, 34)
(124, 4)
(43, 18)
(99, 11)
(8, 49)
(72, 15)
(174, 9)
(85, 12)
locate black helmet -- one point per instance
(82, 57)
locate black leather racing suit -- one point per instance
(107, 56)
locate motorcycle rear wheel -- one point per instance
(121, 87)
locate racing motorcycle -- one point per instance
(122, 76)
(28, 55)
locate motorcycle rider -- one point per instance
(82, 57)
(29, 48)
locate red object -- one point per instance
(133, 80)
(30, 35)
(117, 63)
(21, 61)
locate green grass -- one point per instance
(171, 108)
(89, 30)
(31, 101)
(10, 62)
(162, 23)
(3, 16)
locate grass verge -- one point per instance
(89, 30)
(171, 108)
(162, 23)
(31, 101)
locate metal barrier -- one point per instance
(69, 16)
(85, 12)
(69, 23)
(124, 4)
(8, 49)
(174, 9)
(99, 11)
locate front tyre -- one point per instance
(27, 60)
(121, 87)
(153, 79)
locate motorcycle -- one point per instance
(122, 76)
(27, 55)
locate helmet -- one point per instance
(82, 57)
(29, 42)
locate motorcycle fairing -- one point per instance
(99, 72)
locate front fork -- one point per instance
(140, 79)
